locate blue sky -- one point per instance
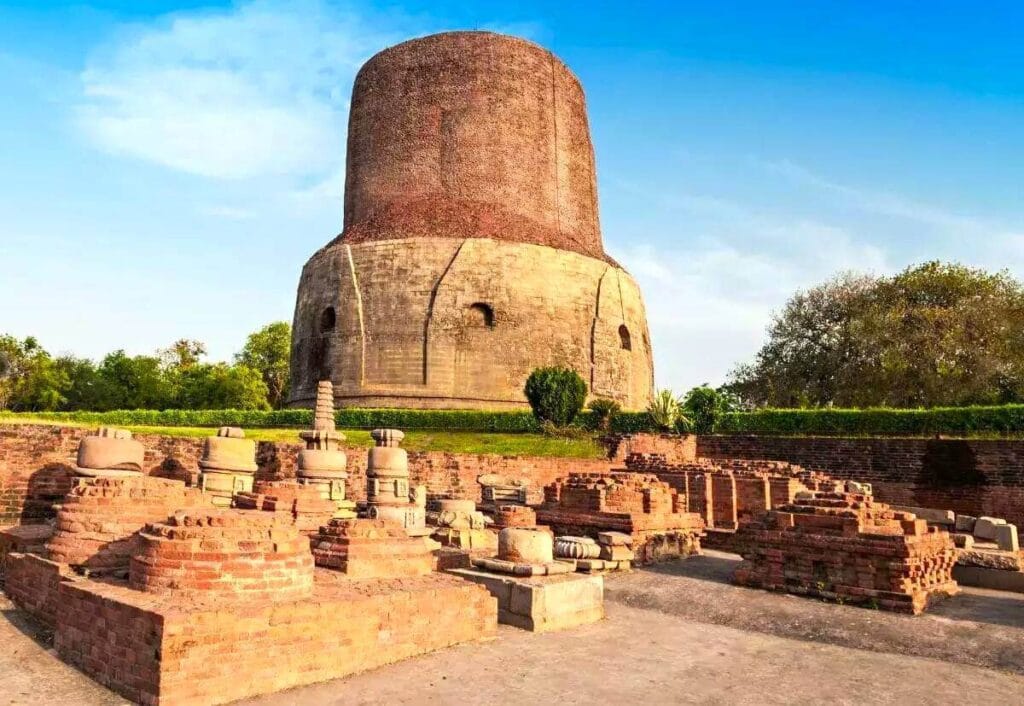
(168, 167)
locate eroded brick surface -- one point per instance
(846, 547)
(638, 504)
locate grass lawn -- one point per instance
(452, 441)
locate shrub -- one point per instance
(664, 410)
(954, 421)
(555, 394)
(705, 407)
(604, 410)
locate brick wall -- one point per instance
(976, 477)
(36, 461)
(157, 650)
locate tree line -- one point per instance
(935, 334)
(176, 377)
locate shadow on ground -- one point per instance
(977, 627)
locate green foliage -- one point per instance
(29, 378)
(703, 407)
(952, 421)
(221, 386)
(555, 395)
(664, 410)
(933, 335)
(405, 419)
(604, 410)
(268, 351)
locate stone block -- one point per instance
(616, 553)
(984, 577)
(965, 523)
(985, 527)
(931, 515)
(963, 541)
(543, 604)
(614, 539)
(1006, 538)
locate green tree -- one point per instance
(268, 351)
(83, 388)
(222, 386)
(704, 406)
(29, 378)
(556, 395)
(132, 382)
(934, 334)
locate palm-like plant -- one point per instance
(664, 409)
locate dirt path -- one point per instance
(676, 634)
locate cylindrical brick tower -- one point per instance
(471, 252)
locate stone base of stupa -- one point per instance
(542, 603)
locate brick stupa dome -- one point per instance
(471, 251)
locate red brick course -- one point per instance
(372, 549)
(97, 520)
(846, 547)
(971, 476)
(160, 651)
(32, 583)
(36, 461)
(638, 504)
(244, 554)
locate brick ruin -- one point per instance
(638, 504)
(847, 548)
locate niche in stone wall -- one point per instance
(480, 315)
(327, 319)
(625, 341)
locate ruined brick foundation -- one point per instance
(639, 505)
(847, 548)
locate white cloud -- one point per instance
(259, 89)
(710, 301)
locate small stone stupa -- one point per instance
(322, 464)
(388, 496)
(110, 453)
(228, 465)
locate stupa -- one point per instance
(388, 496)
(228, 465)
(322, 464)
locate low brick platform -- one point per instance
(33, 584)
(22, 539)
(161, 651)
(637, 504)
(244, 554)
(97, 519)
(845, 547)
(542, 603)
(304, 504)
(372, 549)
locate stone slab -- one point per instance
(502, 566)
(995, 579)
(543, 603)
(985, 527)
(1006, 538)
(614, 539)
(965, 523)
(929, 514)
(989, 559)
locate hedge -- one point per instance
(952, 421)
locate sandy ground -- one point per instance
(676, 634)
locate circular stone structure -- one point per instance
(471, 251)
(240, 553)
